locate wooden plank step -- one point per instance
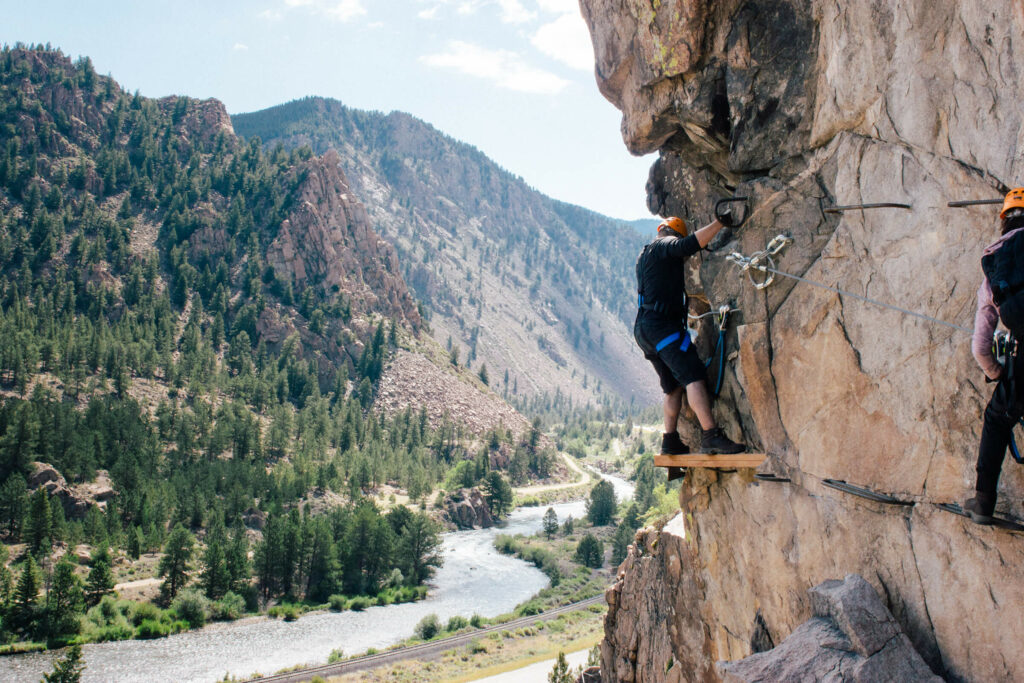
(712, 461)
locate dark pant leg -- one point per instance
(1002, 413)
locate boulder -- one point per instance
(467, 509)
(852, 637)
(43, 473)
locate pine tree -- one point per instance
(175, 564)
(601, 505)
(590, 552)
(561, 673)
(39, 523)
(550, 522)
(69, 669)
(497, 493)
(100, 581)
(64, 601)
(215, 578)
(26, 598)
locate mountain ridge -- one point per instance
(518, 282)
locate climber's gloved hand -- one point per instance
(726, 218)
(731, 211)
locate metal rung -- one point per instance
(973, 202)
(998, 522)
(768, 476)
(858, 207)
(865, 493)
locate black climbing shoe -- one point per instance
(671, 444)
(980, 508)
(715, 442)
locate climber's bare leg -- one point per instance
(700, 401)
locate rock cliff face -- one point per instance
(802, 106)
(327, 242)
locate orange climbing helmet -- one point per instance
(679, 225)
(1014, 200)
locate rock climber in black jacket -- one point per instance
(661, 332)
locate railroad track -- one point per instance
(421, 651)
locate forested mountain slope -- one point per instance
(538, 291)
(209, 323)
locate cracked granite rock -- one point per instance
(852, 637)
(803, 106)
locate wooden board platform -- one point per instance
(738, 460)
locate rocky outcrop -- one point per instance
(852, 637)
(413, 381)
(467, 509)
(508, 276)
(327, 243)
(802, 106)
(76, 500)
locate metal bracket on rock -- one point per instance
(972, 202)
(862, 492)
(861, 207)
(770, 477)
(761, 261)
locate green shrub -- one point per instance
(456, 623)
(505, 544)
(109, 633)
(476, 621)
(191, 606)
(428, 627)
(228, 608)
(151, 629)
(477, 646)
(336, 655)
(338, 603)
(142, 611)
(529, 608)
(358, 604)
(286, 610)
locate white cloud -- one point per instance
(560, 6)
(240, 47)
(503, 68)
(340, 10)
(513, 12)
(567, 40)
(271, 15)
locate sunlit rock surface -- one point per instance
(802, 106)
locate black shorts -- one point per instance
(675, 365)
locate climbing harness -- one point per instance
(723, 320)
(859, 207)
(862, 492)
(755, 262)
(1000, 522)
(1004, 349)
(972, 202)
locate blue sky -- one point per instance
(511, 77)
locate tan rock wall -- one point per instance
(804, 106)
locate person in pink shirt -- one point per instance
(1000, 297)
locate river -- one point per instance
(475, 579)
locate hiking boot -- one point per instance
(671, 444)
(715, 442)
(981, 507)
